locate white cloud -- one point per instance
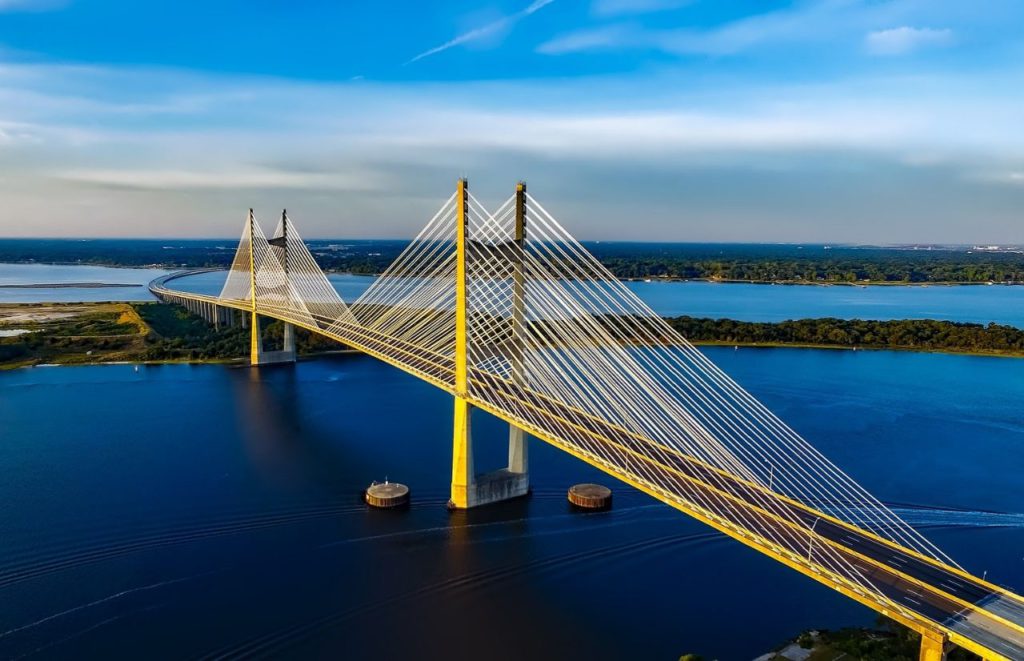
(1006, 177)
(93, 148)
(621, 7)
(32, 5)
(806, 22)
(586, 40)
(903, 40)
(817, 23)
(485, 31)
(234, 178)
(182, 120)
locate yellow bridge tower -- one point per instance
(468, 488)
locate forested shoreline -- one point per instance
(680, 261)
(151, 332)
(902, 334)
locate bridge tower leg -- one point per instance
(289, 341)
(256, 339)
(518, 461)
(287, 352)
(288, 348)
(468, 488)
(463, 482)
(933, 647)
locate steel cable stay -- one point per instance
(552, 343)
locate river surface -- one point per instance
(174, 511)
(135, 281)
(747, 302)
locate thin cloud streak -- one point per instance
(622, 7)
(904, 40)
(485, 31)
(96, 160)
(32, 5)
(230, 179)
(808, 23)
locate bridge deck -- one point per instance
(974, 613)
(970, 610)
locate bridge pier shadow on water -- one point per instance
(286, 445)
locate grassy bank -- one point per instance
(79, 333)
(74, 333)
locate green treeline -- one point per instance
(180, 335)
(809, 264)
(913, 334)
(889, 642)
(895, 268)
(103, 332)
(740, 262)
(177, 334)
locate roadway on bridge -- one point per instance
(807, 532)
(956, 601)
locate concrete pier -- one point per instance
(590, 496)
(387, 495)
(289, 339)
(261, 357)
(475, 489)
(497, 486)
(469, 488)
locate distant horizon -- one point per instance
(982, 246)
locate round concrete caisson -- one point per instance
(387, 495)
(590, 496)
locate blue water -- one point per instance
(33, 274)
(748, 302)
(980, 304)
(185, 510)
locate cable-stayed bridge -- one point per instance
(511, 315)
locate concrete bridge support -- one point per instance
(470, 489)
(287, 354)
(258, 356)
(255, 339)
(289, 339)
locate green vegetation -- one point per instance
(67, 333)
(739, 262)
(812, 265)
(906, 334)
(889, 642)
(890, 271)
(73, 333)
(70, 333)
(176, 334)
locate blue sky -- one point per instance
(864, 121)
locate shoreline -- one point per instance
(71, 285)
(112, 332)
(652, 279)
(825, 283)
(838, 347)
(243, 361)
